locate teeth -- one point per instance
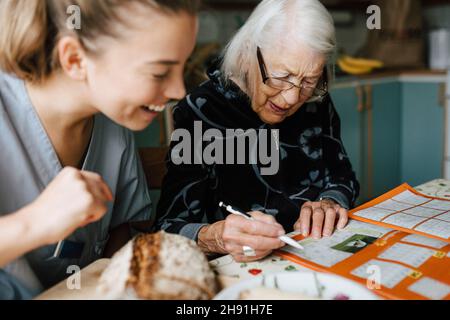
(155, 108)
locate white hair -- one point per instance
(305, 21)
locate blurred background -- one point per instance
(391, 88)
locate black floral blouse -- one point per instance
(313, 163)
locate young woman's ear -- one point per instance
(72, 58)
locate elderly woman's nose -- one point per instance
(292, 95)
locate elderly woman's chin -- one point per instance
(271, 119)
(272, 114)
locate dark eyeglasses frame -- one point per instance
(320, 90)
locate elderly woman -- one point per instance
(273, 76)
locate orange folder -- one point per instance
(415, 260)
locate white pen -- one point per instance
(238, 212)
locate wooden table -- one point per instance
(229, 271)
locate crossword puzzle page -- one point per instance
(398, 244)
(403, 208)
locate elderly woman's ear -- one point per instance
(322, 86)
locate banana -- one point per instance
(352, 69)
(360, 62)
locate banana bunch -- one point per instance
(358, 66)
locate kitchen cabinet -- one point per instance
(349, 104)
(423, 137)
(393, 132)
(370, 128)
(384, 124)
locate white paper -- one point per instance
(359, 227)
(410, 198)
(430, 288)
(425, 241)
(411, 255)
(423, 212)
(445, 217)
(438, 204)
(320, 251)
(435, 227)
(404, 220)
(391, 274)
(393, 205)
(373, 213)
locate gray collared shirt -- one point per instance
(28, 163)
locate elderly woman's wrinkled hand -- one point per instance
(235, 233)
(319, 218)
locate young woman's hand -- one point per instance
(72, 200)
(232, 235)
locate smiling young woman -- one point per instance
(68, 100)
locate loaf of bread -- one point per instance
(159, 266)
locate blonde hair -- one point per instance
(29, 29)
(271, 23)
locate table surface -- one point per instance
(230, 272)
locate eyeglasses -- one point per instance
(312, 92)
